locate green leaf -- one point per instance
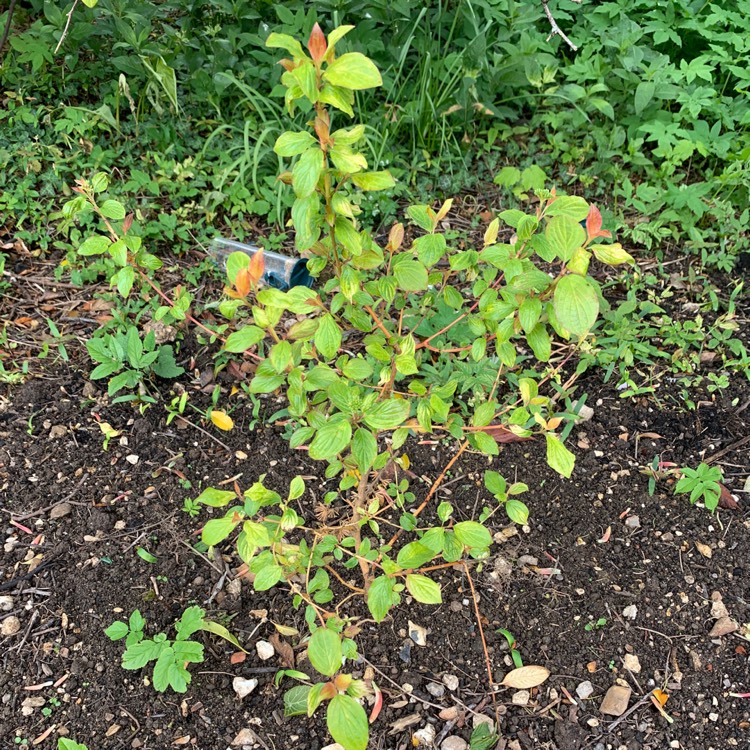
(328, 337)
(558, 456)
(423, 216)
(306, 172)
(347, 160)
(353, 71)
(294, 143)
(565, 236)
(612, 255)
(95, 245)
(267, 577)
(284, 41)
(485, 443)
(517, 512)
(113, 210)
(388, 414)
(576, 304)
(382, 180)
(644, 93)
(529, 313)
(137, 655)
(296, 488)
(215, 498)
(540, 342)
(381, 597)
(218, 529)
(472, 534)
(63, 743)
(424, 589)
(117, 630)
(145, 555)
(331, 439)
(414, 555)
(411, 275)
(295, 700)
(305, 215)
(573, 207)
(364, 449)
(214, 627)
(124, 279)
(430, 248)
(347, 722)
(241, 340)
(169, 673)
(495, 483)
(324, 651)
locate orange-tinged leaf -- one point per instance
(660, 696)
(524, 678)
(243, 282)
(328, 691)
(605, 536)
(378, 706)
(317, 44)
(222, 420)
(396, 236)
(594, 224)
(256, 266)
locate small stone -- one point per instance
(723, 626)
(243, 687)
(451, 682)
(631, 612)
(244, 737)
(521, 698)
(334, 746)
(584, 690)
(418, 634)
(632, 663)
(405, 653)
(616, 700)
(454, 742)
(57, 431)
(60, 510)
(704, 549)
(265, 650)
(6, 603)
(132, 459)
(713, 716)
(425, 735)
(528, 560)
(592, 722)
(478, 719)
(10, 626)
(435, 689)
(449, 714)
(633, 522)
(718, 609)
(667, 537)
(29, 704)
(586, 413)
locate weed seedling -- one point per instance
(701, 483)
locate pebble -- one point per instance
(616, 700)
(57, 431)
(265, 650)
(585, 690)
(244, 737)
(132, 459)
(435, 689)
(418, 634)
(243, 687)
(449, 714)
(10, 625)
(454, 743)
(334, 746)
(521, 698)
(723, 626)
(713, 716)
(631, 612)
(632, 663)
(451, 682)
(6, 603)
(478, 719)
(718, 609)
(425, 735)
(60, 510)
(633, 522)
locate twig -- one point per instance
(8, 22)
(556, 30)
(645, 699)
(67, 25)
(481, 633)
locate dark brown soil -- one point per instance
(70, 576)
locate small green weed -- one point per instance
(701, 483)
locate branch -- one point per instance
(556, 30)
(67, 25)
(7, 24)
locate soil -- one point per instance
(604, 571)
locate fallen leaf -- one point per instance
(605, 536)
(660, 696)
(526, 677)
(499, 433)
(285, 629)
(283, 649)
(378, 705)
(222, 420)
(726, 499)
(404, 722)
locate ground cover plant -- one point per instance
(350, 462)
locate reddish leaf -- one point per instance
(726, 500)
(284, 650)
(127, 223)
(594, 224)
(242, 282)
(256, 266)
(317, 44)
(378, 704)
(499, 433)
